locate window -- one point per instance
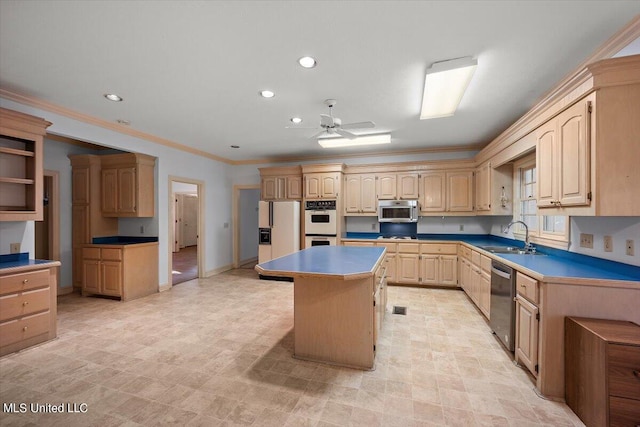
(548, 230)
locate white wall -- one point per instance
(170, 161)
(248, 223)
(18, 232)
(619, 228)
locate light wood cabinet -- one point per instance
(433, 192)
(475, 271)
(602, 360)
(562, 158)
(494, 189)
(128, 188)
(387, 187)
(124, 271)
(28, 313)
(21, 170)
(321, 185)
(527, 322)
(408, 186)
(408, 268)
(446, 191)
(281, 187)
(360, 194)
(460, 191)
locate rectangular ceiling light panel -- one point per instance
(444, 86)
(382, 138)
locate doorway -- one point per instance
(185, 230)
(47, 231)
(245, 225)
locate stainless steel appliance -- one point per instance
(320, 218)
(503, 307)
(279, 229)
(398, 211)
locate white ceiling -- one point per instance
(190, 72)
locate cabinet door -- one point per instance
(407, 186)
(391, 268)
(546, 165)
(429, 266)
(526, 334)
(368, 200)
(80, 185)
(408, 268)
(127, 190)
(111, 278)
(294, 187)
(312, 185)
(329, 186)
(80, 231)
(109, 191)
(91, 276)
(483, 187)
(474, 282)
(387, 187)
(432, 192)
(447, 270)
(460, 191)
(352, 190)
(485, 294)
(268, 188)
(573, 153)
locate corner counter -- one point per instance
(339, 302)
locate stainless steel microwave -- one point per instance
(398, 211)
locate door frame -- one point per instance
(54, 223)
(200, 185)
(235, 207)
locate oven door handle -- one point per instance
(270, 214)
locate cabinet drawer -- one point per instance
(475, 258)
(466, 252)
(23, 303)
(24, 328)
(623, 412)
(91, 253)
(111, 254)
(391, 247)
(485, 264)
(23, 281)
(409, 248)
(624, 371)
(527, 287)
(437, 248)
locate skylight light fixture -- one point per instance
(444, 86)
(380, 138)
(296, 120)
(112, 97)
(307, 62)
(267, 94)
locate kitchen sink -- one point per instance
(508, 250)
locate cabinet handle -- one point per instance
(24, 329)
(25, 303)
(636, 373)
(25, 281)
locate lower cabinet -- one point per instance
(124, 271)
(475, 280)
(527, 325)
(28, 314)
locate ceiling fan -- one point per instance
(332, 126)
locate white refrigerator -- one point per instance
(279, 228)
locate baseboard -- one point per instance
(218, 270)
(248, 260)
(66, 290)
(164, 287)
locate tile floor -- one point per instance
(217, 352)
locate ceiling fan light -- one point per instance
(445, 85)
(296, 120)
(267, 94)
(307, 62)
(381, 138)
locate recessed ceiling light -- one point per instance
(267, 94)
(112, 97)
(123, 122)
(380, 138)
(234, 146)
(296, 120)
(307, 62)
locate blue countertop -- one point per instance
(22, 260)
(554, 263)
(326, 260)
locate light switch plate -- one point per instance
(14, 248)
(629, 247)
(586, 240)
(608, 244)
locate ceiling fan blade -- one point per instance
(318, 134)
(346, 134)
(300, 127)
(359, 125)
(326, 120)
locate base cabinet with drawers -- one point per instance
(124, 271)
(527, 327)
(28, 311)
(602, 371)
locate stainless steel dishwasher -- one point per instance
(503, 307)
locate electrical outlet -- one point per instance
(142, 229)
(225, 225)
(14, 248)
(608, 244)
(373, 227)
(629, 247)
(461, 227)
(586, 240)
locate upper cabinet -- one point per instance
(21, 171)
(321, 185)
(460, 191)
(494, 189)
(397, 186)
(433, 192)
(282, 183)
(446, 192)
(360, 194)
(562, 158)
(127, 182)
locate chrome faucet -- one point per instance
(528, 246)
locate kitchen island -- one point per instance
(339, 302)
